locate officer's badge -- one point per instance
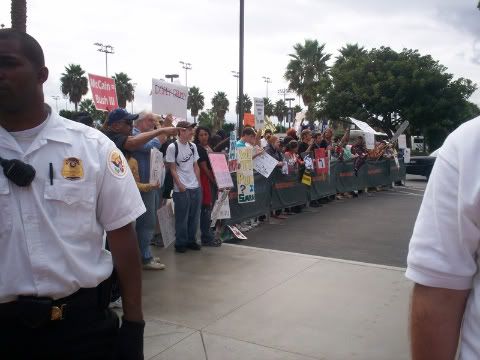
(116, 164)
(72, 169)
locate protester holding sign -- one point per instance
(182, 157)
(207, 182)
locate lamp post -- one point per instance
(267, 80)
(107, 49)
(187, 66)
(283, 92)
(171, 77)
(290, 109)
(134, 86)
(236, 74)
(56, 98)
(240, 67)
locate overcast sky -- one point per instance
(150, 37)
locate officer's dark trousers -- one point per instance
(91, 337)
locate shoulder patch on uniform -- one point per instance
(116, 163)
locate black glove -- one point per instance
(130, 340)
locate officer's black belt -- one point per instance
(37, 311)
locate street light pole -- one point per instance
(267, 80)
(236, 74)
(171, 77)
(187, 66)
(290, 108)
(283, 92)
(107, 49)
(56, 98)
(240, 70)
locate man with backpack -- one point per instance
(182, 157)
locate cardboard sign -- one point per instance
(221, 208)
(104, 93)
(264, 164)
(166, 222)
(322, 162)
(259, 110)
(245, 181)
(402, 141)
(169, 98)
(157, 167)
(220, 170)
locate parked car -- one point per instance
(421, 165)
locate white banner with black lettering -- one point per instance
(168, 98)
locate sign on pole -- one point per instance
(168, 98)
(104, 93)
(259, 113)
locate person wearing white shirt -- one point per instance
(63, 184)
(443, 254)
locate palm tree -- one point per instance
(296, 109)
(350, 51)
(124, 88)
(74, 83)
(247, 104)
(196, 101)
(307, 71)
(18, 15)
(280, 110)
(268, 107)
(220, 106)
(88, 106)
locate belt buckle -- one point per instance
(58, 312)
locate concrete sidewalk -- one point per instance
(242, 303)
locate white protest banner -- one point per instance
(369, 140)
(157, 167)
(264, 164)
(363, 126)
(245, 182)
(259, 107)
(402, 141)
(166, 222)
(220, 170)
(400, 131)
(406, 155)
(168, 98)
(221, 208)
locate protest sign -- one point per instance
(157, 167)
(259, 108)
(103, 91)
(400, 131)
(406, 155)
(369, 140)
(168, 98)
(264, 164)
(245, 181)
(221, 208)
(220, 170)
(322, 163)
(402, 141)
(249, 120)
(237, 233)
(232, 154)
(166, 222)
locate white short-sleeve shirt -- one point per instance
(185, 161)
(51, 235)
(444, 247)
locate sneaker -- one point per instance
(157, 260)
(194, 246)
(117, 304)
(152, 265)
(180, 249)
(213, 243)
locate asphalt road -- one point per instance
(373, 228)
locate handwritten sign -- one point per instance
(259, 106)
(321, 161)
(104, 93)
(264, 164)
(245, 182)
(221, 208)
(168, 98)
(157, 167)
(220, 170)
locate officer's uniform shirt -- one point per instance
(445, 245)
(51, 236)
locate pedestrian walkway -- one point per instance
(237, 302)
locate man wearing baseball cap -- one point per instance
(182, 157)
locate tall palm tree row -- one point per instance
(124, 88)
(74, 83)
(220, 106)
(280, 110)
(268, 107)
(18, 13)
(195, 102)
(307, 72)
(247, 104)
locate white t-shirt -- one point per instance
(445, 244)
(184, 162)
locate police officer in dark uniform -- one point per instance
(63, 184)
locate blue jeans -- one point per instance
(187, 214)
(145, 226)
(205, 221)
